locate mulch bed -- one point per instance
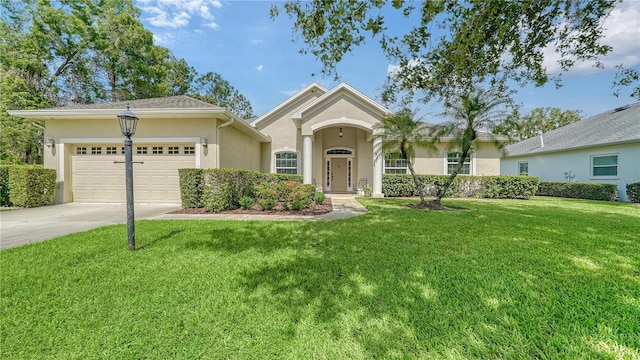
(325, 208)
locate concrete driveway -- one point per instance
(26, 226)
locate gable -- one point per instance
(285, 109)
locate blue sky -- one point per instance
(259, 56)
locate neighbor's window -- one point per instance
(395, 164)
(452, 161)
(286, 163)
(523, 168)
(606, 165)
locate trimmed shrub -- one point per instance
(266, 204)
(633, 192)
(578, 190)
(510, 187)
(320, 197)
(502, 187)
(246, 202)
(4, 185)
(31, 186)
(191, 183)
(217, 196)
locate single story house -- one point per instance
(604, 148)
(325, 135)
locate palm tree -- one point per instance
(469, 114)
(401, 133)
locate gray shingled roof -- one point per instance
(170, 102)
(621, 125)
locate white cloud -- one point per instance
(259, 68)
(212, 25)
(179, 13)
(256, 42)
(621, 32)
(393, 70)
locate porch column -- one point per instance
(377, 167)
(307, 149)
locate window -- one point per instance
(112, 150)
(606, 165)
(339, 152)
(173, 150)
(286, 163)
(157, 150)
(81, 150)
(141, 150)
(122, 150)
(452, 161)
(189, 150)
(395, 165)
(523, 168)
(96, 150)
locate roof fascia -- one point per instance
(291, 99)
(530, 153)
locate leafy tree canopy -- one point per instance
(485, 42)
(538, 121)
(213, 88)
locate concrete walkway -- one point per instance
(25, 226)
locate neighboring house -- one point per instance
(325, 135)
(604, 148)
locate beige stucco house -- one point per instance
(325, 135)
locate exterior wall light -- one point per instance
(49, 142)
(203, 141)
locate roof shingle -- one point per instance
(620, 125)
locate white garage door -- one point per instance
(96, 178)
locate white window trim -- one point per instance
(472, 162)
(604, 177)
(287, 150)
(519, 166)
(384, 167)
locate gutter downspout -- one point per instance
(218, 139)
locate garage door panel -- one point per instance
(95, 178)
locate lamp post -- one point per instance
(128, 122)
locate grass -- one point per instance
(544, 278)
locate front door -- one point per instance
(339, 175)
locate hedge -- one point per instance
(220, 189)
(4, 185)
(633, 192)
(578, 190)
(502, 187)
(31, 186)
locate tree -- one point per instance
(468, 115)
(453, 45)
(401, 133)
(538, 121)
(213, 88)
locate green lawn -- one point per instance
(544, 278)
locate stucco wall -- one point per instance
(552, 166)
(238, 150)
(485, 160)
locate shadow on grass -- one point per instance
(418, 290)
